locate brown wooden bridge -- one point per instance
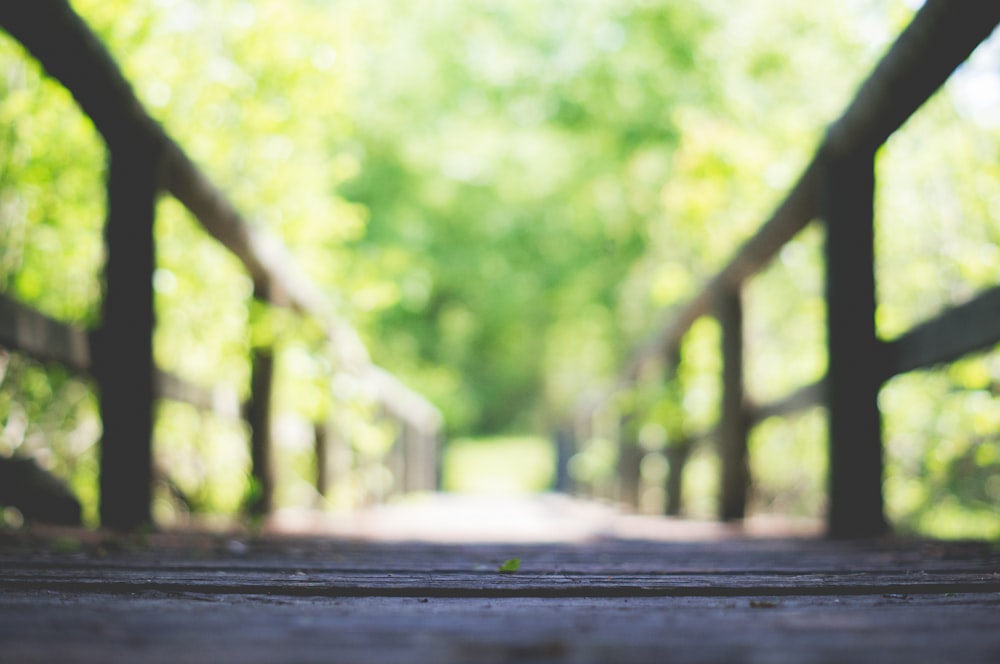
(632, 590)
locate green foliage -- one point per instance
(544, 135)
(504, 198)
(48, 414)
(51, 193)
(788, 463)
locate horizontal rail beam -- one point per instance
(264, 258)
(940, 37)
(70, 52)
(24, 329)
(790, 217)
(804, 397)
(964, 329)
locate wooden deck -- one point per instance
(188, 597)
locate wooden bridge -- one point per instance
(618, 595)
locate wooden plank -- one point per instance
(123, 344)
(967, 328)
(202, 596)
(854, 374)
(208, 565)
(201, 628)
(206, 555)
(25, 329)
(455, 584)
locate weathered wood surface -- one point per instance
(212, 598)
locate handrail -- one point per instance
(70, 52)
(958, 331)
(941, 36)
(45, 338)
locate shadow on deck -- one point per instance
(420, 582)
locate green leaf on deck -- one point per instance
(510, 566)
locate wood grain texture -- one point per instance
(194, 598)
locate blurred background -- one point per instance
(503, 198)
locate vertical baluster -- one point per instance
(123, 345)
(564, 440)
(676, 455)
(629, 458)
(320, 439)
(259, 417)
(677, 446)
(733, 423)
(854, 374)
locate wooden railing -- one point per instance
(144, 163)
(837, 187)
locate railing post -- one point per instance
(676, 455)
(339, 458)
(397, 458)
(733, 425)
(260, 419)
(320, 440)
(677, 446)
(564, 440)
(421, 457)
(123, 345)
(854, 377)
(629, 460)
(583, 432)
